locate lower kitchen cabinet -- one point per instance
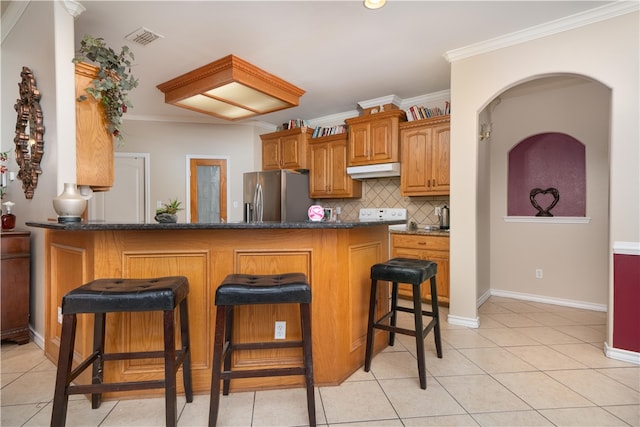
(428, 247)
(16, 265)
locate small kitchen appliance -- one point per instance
(444, 217)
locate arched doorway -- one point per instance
(573, 255)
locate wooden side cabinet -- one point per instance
(328, 169)
(286, 149)
(428, 247)
(14, 299)
(424, 146)
(373, 138)
(94, 143)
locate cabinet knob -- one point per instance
(422, 243)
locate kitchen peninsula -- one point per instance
(335, 256)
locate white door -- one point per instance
(126, 201)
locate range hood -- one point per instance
(381, 170)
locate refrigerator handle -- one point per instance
(258, 203)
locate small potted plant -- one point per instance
(168, 212)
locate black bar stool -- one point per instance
(123, 295)
(244, 289)
(414, 272)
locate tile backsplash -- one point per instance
(385, 193)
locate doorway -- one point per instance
(128, 199)
(207, 192)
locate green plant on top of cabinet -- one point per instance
(373, 138)
(286, 149)
(328, 169)
(424, 146)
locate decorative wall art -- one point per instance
(29, 133)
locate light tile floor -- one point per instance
(529, 364)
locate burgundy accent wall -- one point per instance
(626, 302)
(543, 161)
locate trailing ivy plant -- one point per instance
(114, 80)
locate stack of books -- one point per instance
(333, 130)
(418, 113)
(295, 123)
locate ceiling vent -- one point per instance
(143, 36)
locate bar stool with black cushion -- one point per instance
(245, 289)
(414, 272)
(103, 296)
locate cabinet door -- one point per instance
(319, 175)
(94, 143)
(442, 277)
(340, 184)
(271, 153)
(292, 152)
(440, 156)
(381, 141)
(416, 161)
(359, 144)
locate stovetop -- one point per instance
(382, 214)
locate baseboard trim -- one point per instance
(464, 321)
(36, 338)
(547, 300)
(623, 355)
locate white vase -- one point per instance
(70, 204)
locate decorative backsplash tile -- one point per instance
(385, 193)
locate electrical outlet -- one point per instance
(438, 211)
(60, 315)
(281, 330)
(538, 273)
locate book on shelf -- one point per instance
(320, 131)
(421, 112)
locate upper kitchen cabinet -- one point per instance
(373, 138)
(286, 149)
(328, 169)
(424, 146)
(94, 143)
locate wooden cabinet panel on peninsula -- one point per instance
(373, 138)
(14, 299)
(328, 169)
(429, 247)
(286, 149)
(424, 146)
(94, 143)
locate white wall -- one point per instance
(32, 42)
(606, 51)
(169, 143)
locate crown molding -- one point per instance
(553, 27)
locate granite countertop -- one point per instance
(101, 225)
(420, 230)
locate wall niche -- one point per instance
(547, 161)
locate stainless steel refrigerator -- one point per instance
(276, 195)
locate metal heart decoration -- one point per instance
(545, 211)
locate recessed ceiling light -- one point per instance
(374, 4)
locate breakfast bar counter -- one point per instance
(335, 256)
